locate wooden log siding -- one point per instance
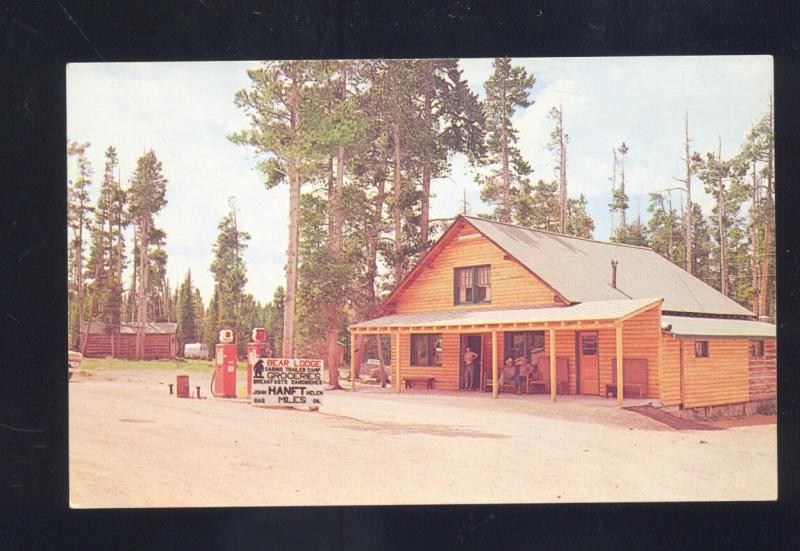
(446, 375)
(511, 284)
(156, 346)
(640, 340)
(671, 371)
(721, 378)
(762, 372)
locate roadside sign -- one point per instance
(287, 382)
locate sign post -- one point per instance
(287, 382)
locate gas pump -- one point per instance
(257, 348)
(224, 378)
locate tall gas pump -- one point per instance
(224, 381)
(258, 347)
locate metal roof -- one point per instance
(588, 311)
(580, 270)
(129, 328)
(682, 326)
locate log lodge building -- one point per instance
(571, 306)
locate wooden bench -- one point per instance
(634, 375)
(409, 381)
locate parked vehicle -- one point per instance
(74, 363)
(197, 350)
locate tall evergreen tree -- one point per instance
(619, 200)
(146, 197)
(275, 105)
(558, 143)
(79, 211)
(187, 311)
(452, 121)
(230, 275)
(507, 89)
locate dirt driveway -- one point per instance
(134, 445)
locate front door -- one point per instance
(473, 342)
(588, 364)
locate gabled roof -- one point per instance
(579, 270)
(607, 310)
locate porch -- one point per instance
(432, 345)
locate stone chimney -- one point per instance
(614, 273)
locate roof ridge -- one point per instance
(469, 217)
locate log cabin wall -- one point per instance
(639, 341)
(156, 346)
(511, 284)
(762, 371)
(446, 375)
(721, 378)
(671, 371)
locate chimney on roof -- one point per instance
(614, 273)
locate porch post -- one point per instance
(553, 378)
(352, 361)
(494, 364)
(397, 362)
(620, 381)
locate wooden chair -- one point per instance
(634, 374)
(562, 376)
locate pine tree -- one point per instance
(187, 311)
(199, 315)
(211, 325)
(558, 143)
(619, 201)
(507, 89)
(580, 223)
(78, 220)
(230, 275)
(275, 105)
(146, 197)
(452, 121)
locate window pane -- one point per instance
(483, 275)
(436, 352)
(589, 345)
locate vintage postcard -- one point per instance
(421, 281)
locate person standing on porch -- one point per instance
(469, 364)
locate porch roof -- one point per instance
(683, 326)
(606, 310)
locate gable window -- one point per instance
(473, 285)
(528, 344)
(426, 350)
(701, 349)
(757, 348)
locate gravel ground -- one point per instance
(134, 445)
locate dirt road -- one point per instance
(134, 445)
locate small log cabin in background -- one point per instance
(508, 291)
(99, 340)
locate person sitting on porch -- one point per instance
(509, 375)
(469, 361)
(525, 368)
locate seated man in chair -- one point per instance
(508, 375)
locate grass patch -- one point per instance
(111, 364)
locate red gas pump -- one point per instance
(258, 348)
(225, 366)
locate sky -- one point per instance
(185, 111)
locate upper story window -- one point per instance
(701, 349)
(473, 285)
(757, 348)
